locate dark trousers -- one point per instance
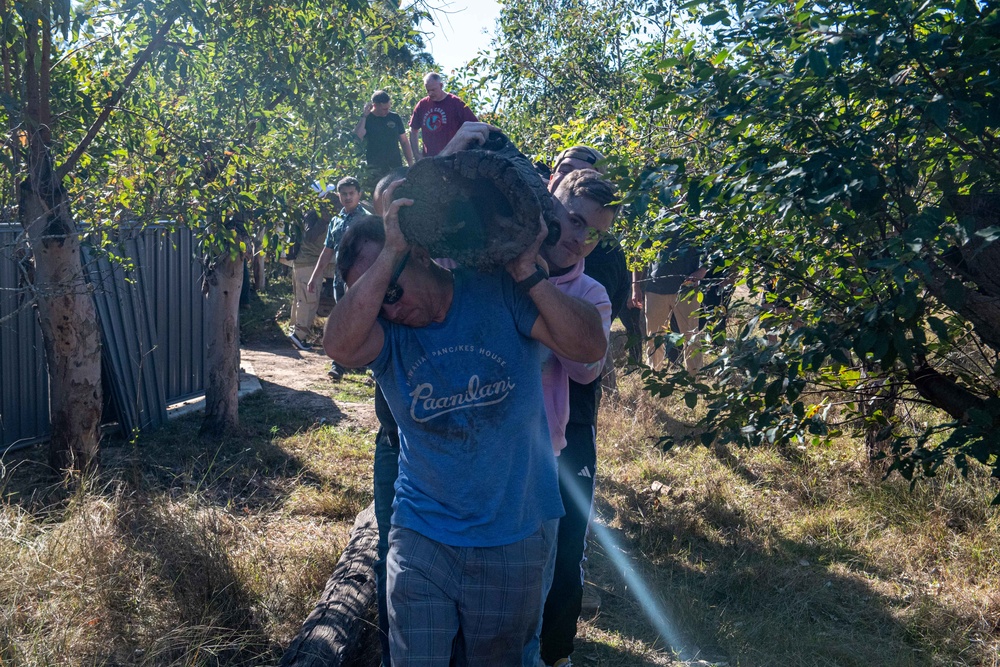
(635, 328)
(577, 466)
(386, 471)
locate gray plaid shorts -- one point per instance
(466, 605)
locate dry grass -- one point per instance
(194, 552)
(183, 552)
(806, 558)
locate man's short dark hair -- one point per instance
(367, 228)
(380, 97)
(588, 184)
(348, 181)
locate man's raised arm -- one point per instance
(353, 337)
(360, 130)
(570, 327)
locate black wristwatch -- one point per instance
(538, 276)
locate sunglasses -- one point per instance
(394, 292)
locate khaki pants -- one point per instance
(658, 309)
(304, 304)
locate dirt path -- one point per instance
(299, 379)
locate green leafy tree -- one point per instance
(853, 180)
(565, 72)
(839, 161)
(138, 109)
(257, 84)
(36, 46)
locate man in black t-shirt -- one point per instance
(384, 133)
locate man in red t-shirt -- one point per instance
(437, 117)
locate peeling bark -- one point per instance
(68, 321)
(66, 311)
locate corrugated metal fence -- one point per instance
(152, 321)
(172, 271)
(24, 387)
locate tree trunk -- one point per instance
(977, 261)
(66, 311)
(68, 321)
(877, 401)
(222, 284)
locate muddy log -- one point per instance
(480, 208)
(341, 630)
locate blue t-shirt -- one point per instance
(475, 462)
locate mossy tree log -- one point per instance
(480, 208)
(342, 629)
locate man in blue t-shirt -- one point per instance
(458, 356)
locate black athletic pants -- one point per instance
(577, 463)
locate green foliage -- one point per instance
(561, 73)
(845, 153)
(839, 163)
(239, 107)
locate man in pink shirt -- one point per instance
(585, 203)
(437, 117)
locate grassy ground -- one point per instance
(806, 558)
(186, 551)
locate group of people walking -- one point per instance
(487, 390)
(434, 121)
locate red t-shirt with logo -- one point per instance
(439, 121)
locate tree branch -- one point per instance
(144, 57)
(82, 47)
(944, 393)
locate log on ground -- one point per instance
(342, 630)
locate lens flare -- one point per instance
(650, 605)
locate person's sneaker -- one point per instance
(299, 343)
(335, 372)
(563, 662)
